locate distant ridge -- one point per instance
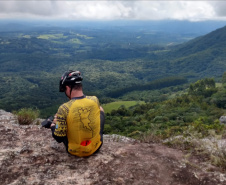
(213, 40)
(204, 56)
(13, 27)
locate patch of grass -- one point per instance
(115, 105)
(27, 36)
(211, 147)
(75, 41)
(26, 116)
(218, 84)
(84, 36)
(53, 36)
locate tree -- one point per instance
(205, 87)
(224, 79)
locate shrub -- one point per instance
(219, 159)
(208, 145)
(150, 136)
(26, 116)
(107, 129)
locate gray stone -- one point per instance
(222, 119)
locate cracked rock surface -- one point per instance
(29, 155)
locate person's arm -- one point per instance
(57, 138)
(59, 125)
(101, 109)
(102, 122)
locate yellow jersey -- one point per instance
(79, 120)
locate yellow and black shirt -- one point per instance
(80, 125)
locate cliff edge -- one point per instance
(29, 155)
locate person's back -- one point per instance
(79, 122)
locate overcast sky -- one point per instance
(113, 10)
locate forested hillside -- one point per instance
(115, 63)
(200, 106)
(203, 56)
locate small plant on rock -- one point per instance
(26, 116)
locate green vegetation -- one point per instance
(117, 65)
(197, 108)
(156, 84)
(26, 116)
(54, 36)
(115, 105)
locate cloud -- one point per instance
(219, 7)
(180, 10)
(107, 10)
(24, 9)
(98, 10)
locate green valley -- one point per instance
(119, 63)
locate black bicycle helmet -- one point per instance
(70, 78)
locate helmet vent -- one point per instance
(64, 80)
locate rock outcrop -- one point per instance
(29, 155)
(222, 119)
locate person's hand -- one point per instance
(54, 121)
(101, 109)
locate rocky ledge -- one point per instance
(29, 155)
